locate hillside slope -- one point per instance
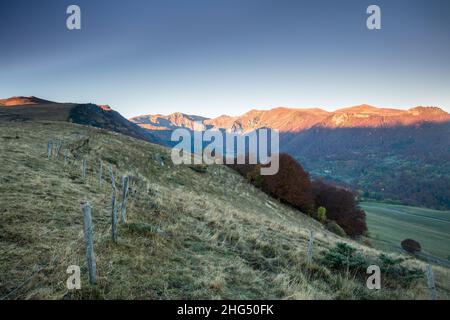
(20, 109)
(190, 235)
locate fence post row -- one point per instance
(87, 208)
(88, 237)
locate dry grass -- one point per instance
(191, 235)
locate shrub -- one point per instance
(411, 245)
(341, 207)
(367, 242)
(322, 214)
(259, 181)
(344, 257)
(255, 177)
(396, 273)
(335, 228)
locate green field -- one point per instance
(390, 224)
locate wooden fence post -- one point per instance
(114, 214)
(58, 149)
(83, 169)
(310, 246)
(113, 179)
(100, 173)
(430, 282)
(49, 149)
(89, 239)
(66, 153)
(125, 181)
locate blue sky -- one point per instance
(212, 57)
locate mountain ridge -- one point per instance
(285, 119)
(21, 100)
(20, 109)
(299, 119)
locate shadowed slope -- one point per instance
(20, 109)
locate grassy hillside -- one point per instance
(190, 234)
(394, 223)
(48, 111)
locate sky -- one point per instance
(213, 57)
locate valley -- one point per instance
(390, 224)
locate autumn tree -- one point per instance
(341, 207)
(291, 184)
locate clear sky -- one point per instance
(210, 57)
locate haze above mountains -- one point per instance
(385, 154)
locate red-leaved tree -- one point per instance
(291, 184)
(341, 207)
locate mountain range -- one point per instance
(297, 120)
(394, 155)
(385, 154)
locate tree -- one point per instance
(322, 214)
(411, 245)
(341, 207)
(291, 184)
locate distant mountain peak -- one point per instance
(368, 109)
(429, 110)
(180, 115)
(105, 107)
(170, 121)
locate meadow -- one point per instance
(389, 224)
